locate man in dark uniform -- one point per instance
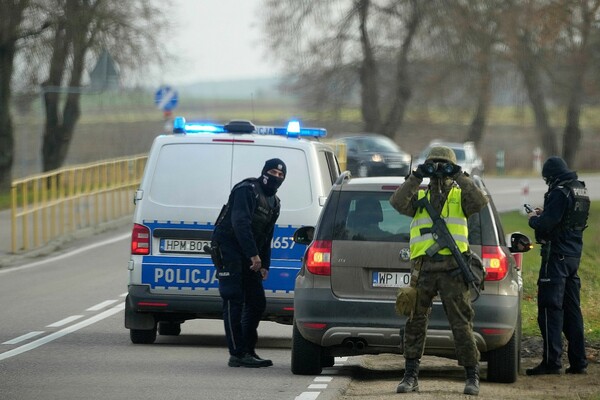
(455, 196)
(559, 228)
(243, 233)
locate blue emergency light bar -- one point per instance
(292, 130)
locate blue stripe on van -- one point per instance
(198, 273)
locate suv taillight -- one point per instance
(140, 240)
(318, 257)
(494, 262)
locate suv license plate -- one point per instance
(391, 279)
(183, 246)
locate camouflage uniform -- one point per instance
(434, 276)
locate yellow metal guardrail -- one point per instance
(49, 205)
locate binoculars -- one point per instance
(437, 169)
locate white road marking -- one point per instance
(64, 321)
(317, 386)
(308, 396)
(63, 332)
(102, 305)
(23, 337)
(65, 255)
(339, 361)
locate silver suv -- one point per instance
(466, 156)
(357, 259)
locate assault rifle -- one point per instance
(443, 239)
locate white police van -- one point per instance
(188, 178)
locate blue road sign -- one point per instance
(166, 98)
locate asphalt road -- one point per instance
(62, 334)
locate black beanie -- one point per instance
(554, 167)
(274, 163)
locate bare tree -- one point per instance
(15, 26)
(551, 43)
(83, 26)
(363, 43)
(583, 24)
(465, 34)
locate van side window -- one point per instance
(329, 167)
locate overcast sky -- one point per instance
(216, 40)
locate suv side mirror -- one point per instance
(304, 235)
(519, 243)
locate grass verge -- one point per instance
(589, 273)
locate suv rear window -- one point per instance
(368, 216)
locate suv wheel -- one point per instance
(142, 336)
(306, 356)
(169, 328)
(503, 363)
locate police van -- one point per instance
(188, 177)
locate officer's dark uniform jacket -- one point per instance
(566, 207)
(247, 222)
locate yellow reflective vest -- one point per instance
(456, 221)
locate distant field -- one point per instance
(118, 124)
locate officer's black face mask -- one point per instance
(270, 183)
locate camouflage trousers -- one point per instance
(456, 300)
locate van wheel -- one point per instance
(169, 328)
(142, 336)
(503, 363)
(306, 356)
(363, 171)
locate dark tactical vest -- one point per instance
(264, 216)
(576, 216)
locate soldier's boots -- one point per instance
(472, 382)
(410, 382)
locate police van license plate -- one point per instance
(183, 246)
(391, 279)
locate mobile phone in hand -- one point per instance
(528, 208)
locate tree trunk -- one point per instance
(403, 84)
(7, 52)
(531, 76)
(10, 20)
(484, 95)
(368, 74)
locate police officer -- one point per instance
(559, 228)
(243, 234)
(455, 196)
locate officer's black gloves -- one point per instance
(421, 171)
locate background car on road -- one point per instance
(357, 259)
(466, 156)
(374, 155)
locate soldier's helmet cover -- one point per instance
(442, 153)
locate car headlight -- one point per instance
(377, 158)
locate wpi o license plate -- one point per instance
(391, 279)
(183, 246)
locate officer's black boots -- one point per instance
(267, 363)
(248, 361)
(410, 382)
(472, 382)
